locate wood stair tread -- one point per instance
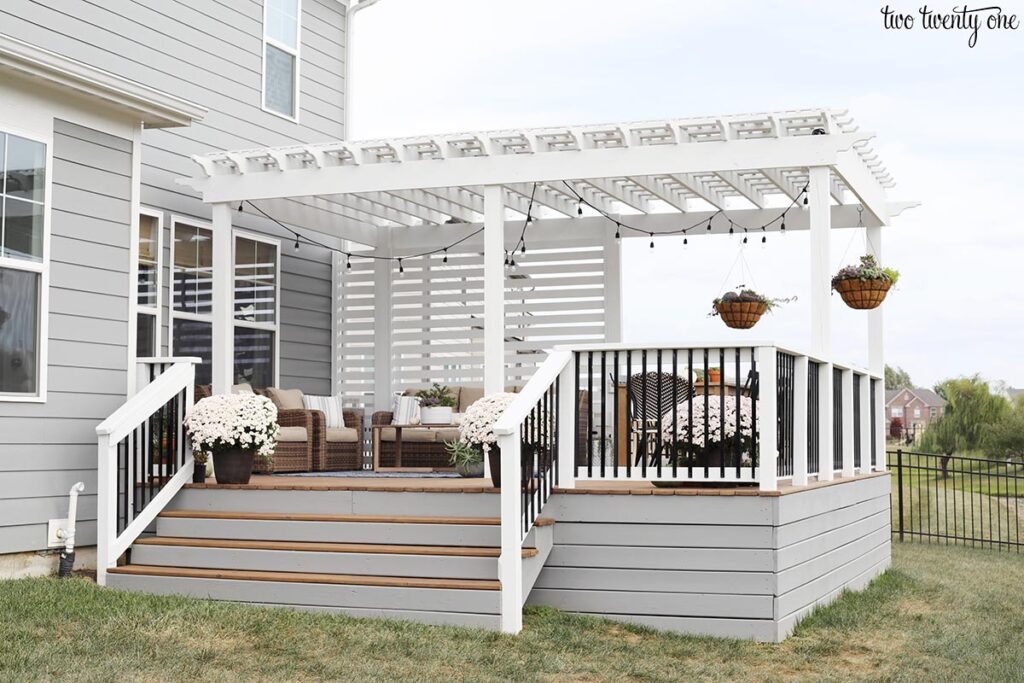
(321, 517)
(319, 546)
(307, 577)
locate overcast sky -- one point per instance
(949, 121)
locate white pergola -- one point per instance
(402, 196)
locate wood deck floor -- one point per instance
(453, 485)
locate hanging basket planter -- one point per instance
(863, 294)
(741, 315)
(742, 311)
(865, 286)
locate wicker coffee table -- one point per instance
(398, 467)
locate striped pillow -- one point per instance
(330, 406)
(406, 410)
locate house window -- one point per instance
(897, 411)
(147, 319)
(23, 175)
(192, 295)
(917, 412)
(932, 412)
(281, 30)
(256, 310)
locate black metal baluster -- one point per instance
(737, 398)
(616, 426)
(630, 413)
(556, 420)
(660, 438)
(590, 412)
(644, 448)
(755, 390)
(675, 413)
(577, 409)
(689, 414)
(721, 413)
(604, 402)
(707, 416)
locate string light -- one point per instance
(618, 231)
(296, 241)
(445, 259)
(652, 240)
(240, 206)
(401, 268)
(579, 207)
(348, 261)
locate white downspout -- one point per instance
(346, 68)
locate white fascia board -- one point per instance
(156, 109)
(786, 152)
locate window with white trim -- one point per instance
(23, 174)
(281, 31)
(192, 295)
(897, 411)
(147, 318)
(256, 287)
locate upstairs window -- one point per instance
(281, 29)
(148, 297)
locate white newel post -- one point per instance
(865, 424)
(767, 418)
(106, 505)
(826, 423)
(223, 294)
(567, 425)
(847, 418)
(820, 220)
(879, 435)
(510, 564)
(801, 407)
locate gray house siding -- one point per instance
(727, 566)
(47, 448)
(210, 52)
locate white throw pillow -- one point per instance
(406, 410)
(330, 406)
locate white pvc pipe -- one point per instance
(68, 533)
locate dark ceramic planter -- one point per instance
(199, 473)
(233, 466)
(494, 460)
(475, 469)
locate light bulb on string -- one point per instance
(579, 208)
(618, 233)
(348, 261)
(652, 240)
(401, 268)
(296, 241)
(240, 206)
(445, 259)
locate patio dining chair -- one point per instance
(650, 396)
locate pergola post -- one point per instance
(612, 287)
(820, 220)
(876, 355)
(494, 289)
(223, 343)
(383, 356)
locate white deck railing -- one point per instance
(144, 457)
(609, 423)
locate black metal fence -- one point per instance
(955, 499)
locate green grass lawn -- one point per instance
(940, 614)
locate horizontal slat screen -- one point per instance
(554, 296)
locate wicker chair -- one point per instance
(330, 449)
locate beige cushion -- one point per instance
(287, 399)
(342, 435)
(446, 434)
(413, 434)
(292, 434)
(243, 388)
(468, 396)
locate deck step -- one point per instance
(318, 517)
(309, 577)
(314, 546)
(332, 528)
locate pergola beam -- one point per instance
(681, 159)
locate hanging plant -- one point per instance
(864, 286)
(742, 311)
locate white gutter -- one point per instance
(354, 8)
